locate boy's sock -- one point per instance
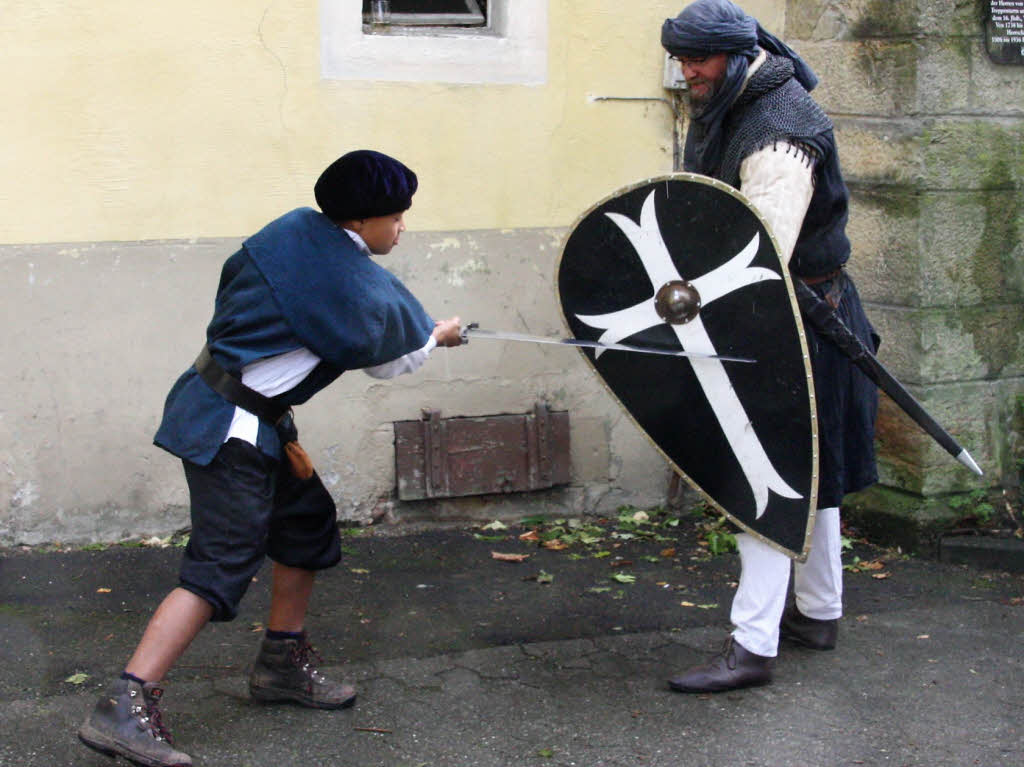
(132, 678)
(285, 634)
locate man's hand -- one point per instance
(446, 332)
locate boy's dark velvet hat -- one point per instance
(364, 184)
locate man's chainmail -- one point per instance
(773, 107)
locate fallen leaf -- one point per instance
(555, 544)
(102, 591)
(923, 636)
(543, 577)
(530, 536)
(501, 557)
(667, 553)
(495, 525)
(687, 604)
(876, 564)
(77, 678)
(620, 563)
(599, 589)
(624, 578)
(359, 570)
(881, 576)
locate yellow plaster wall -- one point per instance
(126, 120)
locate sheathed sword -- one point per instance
(825, 321)
(472, 330)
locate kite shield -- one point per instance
(684, 262)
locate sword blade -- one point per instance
(471, 331)
(825, 320)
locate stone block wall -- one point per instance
(931, 135)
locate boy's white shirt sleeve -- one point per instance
(404, 364)
(779, 181)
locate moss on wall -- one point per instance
(886, 19)
(996, 262)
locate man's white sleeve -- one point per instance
(779, 181)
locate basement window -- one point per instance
(432, 13)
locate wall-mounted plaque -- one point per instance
(1004, 31)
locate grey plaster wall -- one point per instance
(932, 139)
(95, 334)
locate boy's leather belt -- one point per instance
(236, 392)
(263, 407)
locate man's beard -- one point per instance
(699, 102)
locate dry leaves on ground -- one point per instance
(502, 557)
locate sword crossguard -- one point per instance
(464, 331)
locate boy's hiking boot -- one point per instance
(126, 722)
(285, 671)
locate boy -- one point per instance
(300, 303)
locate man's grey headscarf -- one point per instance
(707, 27)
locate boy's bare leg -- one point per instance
(126, 720)
(172, 628)
(289, 598)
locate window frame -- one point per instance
(511, 49)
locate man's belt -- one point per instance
(820, 278)
(835, 293)
(266, 409)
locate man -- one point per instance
(755, 127)
(300, 303)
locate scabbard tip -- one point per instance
(966, 460)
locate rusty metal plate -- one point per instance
(452, 457)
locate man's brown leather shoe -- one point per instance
(808, 632)
(732, 668)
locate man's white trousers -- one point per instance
(764, 579)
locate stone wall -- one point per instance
(931, 135)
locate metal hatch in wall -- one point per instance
(452, 457)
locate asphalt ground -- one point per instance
(462, 659)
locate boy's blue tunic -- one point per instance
(299, 282)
